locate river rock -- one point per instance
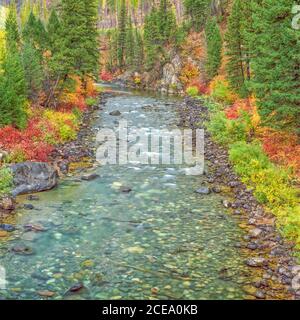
(76, 288)
(35, 227)
(7, 204)
(28, 206)
(255, 233)
(90, 177)
(46, 293)
(226, 203)
(116, 113)
(22, 249)
(3, 233)
(7, 227)
(33, 177)
(33, 198)
(216, 190)
(256, 262)
(203, 191)
(125, 189)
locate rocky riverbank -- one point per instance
(270, 256)
(36, 177)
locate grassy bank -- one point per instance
(275, 186)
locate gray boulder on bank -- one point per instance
(30, 177)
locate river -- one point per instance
(159, 241)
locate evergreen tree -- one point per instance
(167, 21)
(90, 64)
(238, 63)
(275, 62)
(139, 50)
(12, 36)
(122, 34)
(54, 33)
(33, 70)
(214, 48)
(12, 79)
(130, 45)
(152, 38)
(198, 11)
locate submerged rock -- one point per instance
(257, 262)
(76, 288)
(203, 190)
(90, 177)
(125, 189)
(28, 206)
(33, 198)
(33, 177)
(22, 249)
(115, 113)
(7, 227)
(35, 227)
(7, 204)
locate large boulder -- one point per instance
(32, 177)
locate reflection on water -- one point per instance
(161, 240)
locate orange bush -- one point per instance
(189, 73)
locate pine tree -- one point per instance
(152, 38)
(12, 37)
(33, 70)
(198, 11)
(130, 45)
(139, 50)
(238, 63)
(12, 79)
(214, 48)
(275, 62)
(167, 21)
(90, 63)
(122, 34)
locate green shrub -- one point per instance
(6, 181)
(220, 91)
(226, 131)
(271, 184)
(77, 113)
(91, 101)
(192, 91)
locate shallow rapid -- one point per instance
(159, 241)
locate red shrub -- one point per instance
(106, 76)
(202, 87)
(282, 148)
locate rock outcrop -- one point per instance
(29, 177)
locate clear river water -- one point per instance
(159, 241)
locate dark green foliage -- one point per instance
(33, 70)
(238, 66)
(122, 34)
(130, 45)
(139, 50)
(12, 36)
(12, 91)
(166, 22)
(152, 38)
(12, 79)
(79, 37)
(214, 48)
(275, 61)
(198, 11)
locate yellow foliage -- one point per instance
(220, 90)
(65, 124)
